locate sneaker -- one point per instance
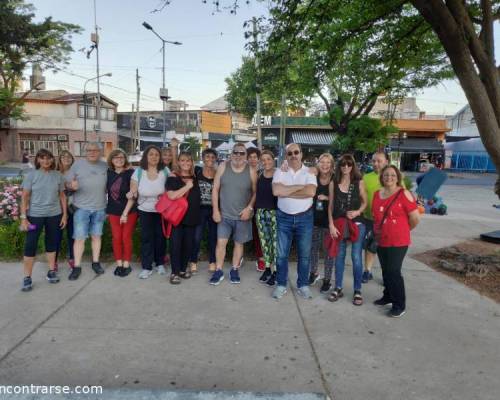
(383, 302)
(118, 271)
(272, 279)
(75, 273)
(304, 292)
(52, 276)
(365, 278)
(27, 284)
(396, 312)
(161, 270)
(326, 286)
(96, 266)
(313, 278)
(265, 275)
(370, 276)
(261, 265)
(234, 275)
(145, 273)
(217, 277)
(279, 292)
(126, 271)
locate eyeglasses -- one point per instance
(119, 158)
(346, 164)
(389, 176)
(239, 153)
(293, 153)
(92, 150)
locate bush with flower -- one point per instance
(10, 200)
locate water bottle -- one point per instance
(31, 227)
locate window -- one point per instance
(33, 146)
(90, 112)
(79, 149)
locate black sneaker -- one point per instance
(96, 266)
(118, 271)
(396, 312)
(75, 273)
(313, 278)
(265, 275)
(52, 276)
(326, 286)
(126, 271)
(382, 302)
(27, 284)
(272, 279)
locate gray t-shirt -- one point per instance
(45, 188)
(91, 177)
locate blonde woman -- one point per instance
(325, 167)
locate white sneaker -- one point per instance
(145, 274)
(161, 270)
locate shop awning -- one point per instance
(417, 145)
(322, 138)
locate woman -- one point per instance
(347, 203)
(205, 178)
(253, 158)
(122, 225)
(169, 154)
(43, 207)
(183, 183)
(320, 206)
(266, 204)
(146, 185)
(395, 214)
(65, 161)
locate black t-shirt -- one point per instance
(206, 185)
(320, 207)
(265, 198)
(349, 201)
(117, 187)
(192, 217)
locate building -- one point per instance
(239, 123)
(463, 125)
(406, 109)
(56, 121)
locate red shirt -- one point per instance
(396, 228)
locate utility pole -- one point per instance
(282, 130)
(137, 144)
(132, 131)
(96, 42)
(255, 44)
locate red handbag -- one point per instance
(172, 211)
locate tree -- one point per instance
(23, 42)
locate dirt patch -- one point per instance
(487, 285)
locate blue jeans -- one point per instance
(88, 221)
(298, 227)
(357, 260)
(206, 220)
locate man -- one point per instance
(295, 190)
(372, 184)
(234, 185)
(87, 178)
(253, 158)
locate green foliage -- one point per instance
(193, 146)
(407, 182)
(24, 41)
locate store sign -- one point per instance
(270, 139)
(152, 122)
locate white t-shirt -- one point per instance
(149, 190)
(300, 177)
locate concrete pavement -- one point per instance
(128, 334)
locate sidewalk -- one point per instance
(130, 334)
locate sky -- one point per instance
(212, 46)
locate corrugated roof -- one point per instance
(324, 138)
(416, 145)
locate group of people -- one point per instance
(321, 208)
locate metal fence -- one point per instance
(472, 161)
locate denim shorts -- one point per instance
(87, 222)
(241, 230)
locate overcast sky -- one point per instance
(213, 44)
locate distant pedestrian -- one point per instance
(122, 224)
(234, 186)
(395, 214)
(87, 178)
(295, 190)
(43, 208)
(265, 206)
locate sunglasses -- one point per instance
(346, 164)
(293, 153)
(239, 153)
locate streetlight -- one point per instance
(163, 92)
(85, 102)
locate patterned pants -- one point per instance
(317, 246)
(266, 225)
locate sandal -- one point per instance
(174, 279)
(335, 294)
(357, 299)
(185, 275)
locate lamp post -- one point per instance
(85, 102)
(163, 91)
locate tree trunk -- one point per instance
(451, 36)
